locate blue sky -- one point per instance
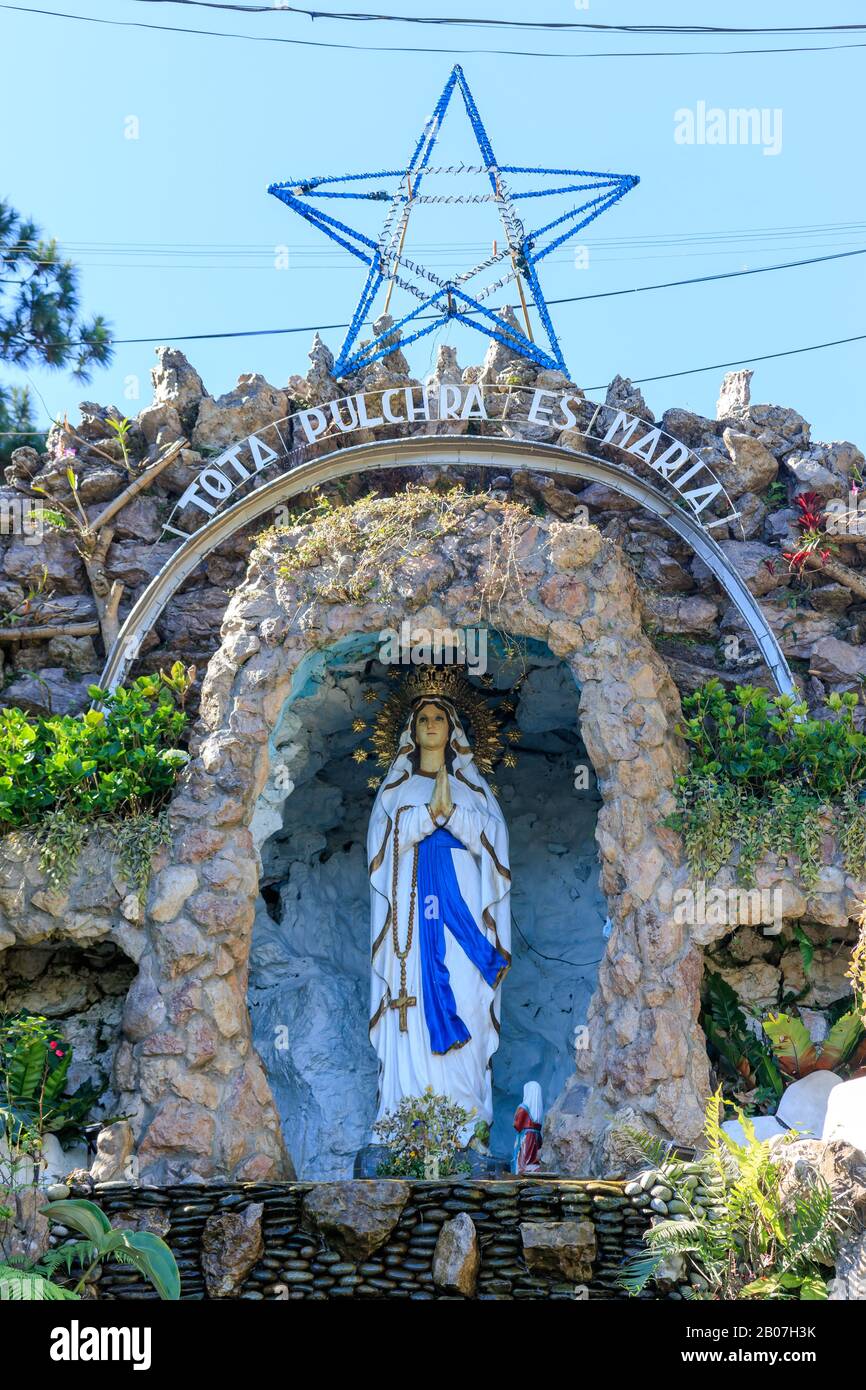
(175, 234)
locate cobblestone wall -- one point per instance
(293, 1260)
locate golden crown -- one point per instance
(443, 683)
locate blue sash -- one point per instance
(441, 905)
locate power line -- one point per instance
(645, 380)
(739, 362)
(572, 25)
(570, 299)
(408, 48)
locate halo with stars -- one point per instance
(442, 299)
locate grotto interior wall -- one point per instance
(309, 961)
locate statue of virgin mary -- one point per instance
(441, 926)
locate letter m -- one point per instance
(623, 422)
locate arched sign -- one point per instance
(419, 452)
(523, 411)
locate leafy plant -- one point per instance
(119, 426)
(122, 756)
(34, 1071)
(843, 1050)
(113, 767)
(747, 1238)
(813, 540)
(423, 1136)
(141, 1249)
(748, 1059)
(762, 775)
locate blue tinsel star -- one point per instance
(386, 260)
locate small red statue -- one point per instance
(527, 1121)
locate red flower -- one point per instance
(58, 1053)
(52, 1045)
(811, 512)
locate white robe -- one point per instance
(407, 1064)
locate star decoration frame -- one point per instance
(388, 265)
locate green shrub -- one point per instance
(34, 1071)
(120, 758)
(110, 769)
(37, 1279)
(761, 775)
(738, 1232)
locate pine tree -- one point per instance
(39, 320)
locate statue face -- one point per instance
(431, 728)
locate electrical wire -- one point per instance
(581, 25)
(569, 299)
(408, 48)
(636, 380)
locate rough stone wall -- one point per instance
(763, 453)
(186, 1070)
(186, 1066)
(293, 1260)
(571, 590)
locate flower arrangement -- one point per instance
(423, 1137)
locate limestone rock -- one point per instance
(752, 515)
(114, 1149)
(566, 1248)
(850, 1280)
(170, 890)
(844, 458)
(781, 429)
(160, 424)
(839, 662)
(177, 383)
(499, 357)
(251, 406)
(734, 395)
(695, 430)
(750, 560)
(395, 362)
(752, 467)
(840, 1164)
(824, 983)
(457, 1256)
(622, 395)
(756, 984)
(231, 1244)
(24, 464)
(56, 555)
(98, 484)
(52, 691)
(357, 1217)
(679, 614)
(804, 1104)
(811, 474)
(574, 546)
(321, 384)
(156, 1220)
(846, 1114)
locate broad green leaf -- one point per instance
(80, 1215)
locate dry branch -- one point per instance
(138, 485)
(34, 633)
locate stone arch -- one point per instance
(418, 453)
(208, 1110)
